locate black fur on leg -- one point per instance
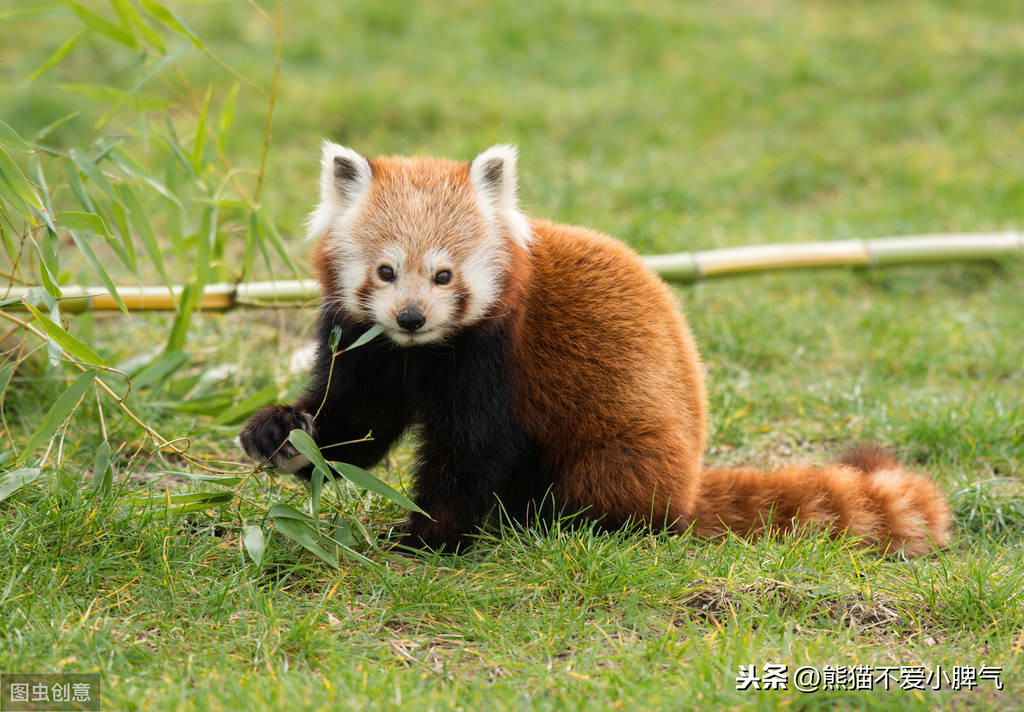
(471, 445)
(367, 397)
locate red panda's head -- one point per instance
(421, 246)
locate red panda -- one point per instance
(541, 362)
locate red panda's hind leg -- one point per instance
(648, 478)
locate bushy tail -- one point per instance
(866, 494)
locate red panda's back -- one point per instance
(603, 351)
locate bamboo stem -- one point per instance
(684, 267)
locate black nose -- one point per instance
(411, 319)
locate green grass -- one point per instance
(675, 127)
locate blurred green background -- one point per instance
(672, 125)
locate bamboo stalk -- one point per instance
(684, 267)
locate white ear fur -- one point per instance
(345, 178)
(493, 175)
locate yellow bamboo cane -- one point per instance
(683, 267)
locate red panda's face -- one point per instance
(420, 246)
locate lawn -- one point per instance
(674, 126)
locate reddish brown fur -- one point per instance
(610, 385)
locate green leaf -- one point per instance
(367, 336)
(269, 230)
(15, 179)
(223, 480)
(58, 56)
(11, 137)
(361, 478)
(5, 378)
(58, 413)
(140, 221)
(307, 537)
(51, 127)
(94, 262)
(102, 25)
(255, 544)
(129, 165)
(102, 473)
(246, 407)
(14, 481)
(227, 115)
(87, 166)
(186, 305)
(171, 20)
(159, 369)
(286, 511)
(72, 346)
(130, 17)
(183, 503)
(83, 222)
(302, 442)
(199, 142)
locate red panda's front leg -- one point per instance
(472, 448)
(350, 395)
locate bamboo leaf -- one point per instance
(302, 442)
(366, 337)
(227, 115)
(51, 127)
(170, 20)
(307, 537)
(11, 137)
(270, 231)
(130, 17)
(199, 142)
(94, 262)
(72, 346)
(184, 503)
(59, 412)
(159, 369)
(255, 544)
(179, 329)
(361, 478)
(102, 473)
(83, 222)
(139, 219)
(14, 481)
(102, 25)
(12, 175)
(88, 167)
(246, 407)
(58, 56)
(5, 378)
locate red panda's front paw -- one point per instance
(265, 437)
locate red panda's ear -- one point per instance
(345, 178)
(344, 174)
(493, 175)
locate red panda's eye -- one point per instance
(386, 273)
(443, 277)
